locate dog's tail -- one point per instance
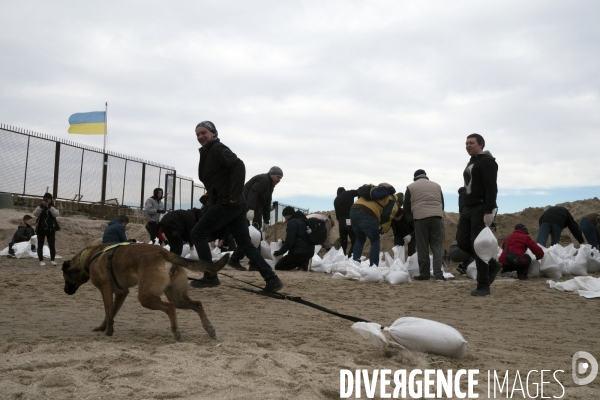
(199, 265)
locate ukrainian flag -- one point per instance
(90, 123)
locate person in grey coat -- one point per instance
(153, 207)
(424, 201)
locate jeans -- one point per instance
(346, 231)
(469, 226)
(217, 216)
(548, 229)
(429, 232)
(590, 232)
(365, 226)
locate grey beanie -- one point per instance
(275, 171)
(420, 173)
(210, 126)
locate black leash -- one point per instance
(280, 296)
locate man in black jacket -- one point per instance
(342, 205)
(258, 193)
(480, 208)
(23, 234)
(177, 226)
(223, 174)
(296, 242)
(553, 221)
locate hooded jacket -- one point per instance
(343, 203)
(562, 217)
(152, 205)
(518, 243)
(114, 232)
(222, 173)
(258, 193)
(296, 239)
(182, 221)
(46, 224)
(480, 178)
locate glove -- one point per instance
(407, 239)
(264, 228)
(132, 241)
(489, 218)
(161, 211)
(277, 253)
(250, 215)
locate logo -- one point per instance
(590, 365)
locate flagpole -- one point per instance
(105, 125)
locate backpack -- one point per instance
(316, 231)
(375, 192)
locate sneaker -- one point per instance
(462, 269)
(53, 263)
(205, 283)
(442, 279)
(235, 264)
(481, 291)
(42, 263)
(11, 255)
(273, 285)
(507, 274)
(495, 268)
(421, 278)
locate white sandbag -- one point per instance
(255, 236)
(370, 274)
(399, 253)
(428, 336)
(323, 267)
(486, 245)
(384, 271)
(338, 255)
(389, 261)
(593, 261)
(413, 265)
(215, 251)
(353, 272)
(316, 262)
(265, 250)
(193, 255)
(534, 269)
(472, 271)
(395, 277)
(550, 266)
(317, 248)
(271, 263)
(185, 250)
(371, 331)
(566, 286)
(274, 247)
(578, 266)
(398, 265)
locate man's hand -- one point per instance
(407, 239)
(161, 211)
(277, 253)
(489, 218)
(250, 215)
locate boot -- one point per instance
(273, 285)
(495, 268)
(209, 280)
(235, 264)
(481, 291)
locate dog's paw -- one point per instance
(177, 335)
(211, 331)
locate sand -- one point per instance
(273, 349)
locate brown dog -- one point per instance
(153, 268)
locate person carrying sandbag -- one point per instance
(481, 189)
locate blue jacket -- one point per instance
(296, 239)
(114, 232)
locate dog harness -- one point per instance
(111, 252)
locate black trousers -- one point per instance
(469, 226)
(152, 228)
(292, 261)
(51, 245)
(521, 268)
(346, 231)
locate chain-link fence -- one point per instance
(278, 208)
(34, 163)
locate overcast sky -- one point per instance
(336, 93)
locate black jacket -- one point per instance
(182, 221)
(23, 234)
(222, 173)
(480, 177)
(562, 217)
(296, 239)
(46, 223)
(342, 204)
(258, 193)
(405, 226)
(114, 232)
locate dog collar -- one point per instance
(81, 265)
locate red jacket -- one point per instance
(518, 243)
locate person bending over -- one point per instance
(296, 242)
(514, 246)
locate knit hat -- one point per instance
(288, 210)
(341, 189)
(210, 126)
(420, 173)
(275, 171)
(521, 227)
(47, 196)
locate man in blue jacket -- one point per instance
(115, 231)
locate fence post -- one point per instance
(174, 189)
(276, 208)
(56, 165)
(104, 172)
(26, 162)
(143, 184)
(192, 203)
(124, 182)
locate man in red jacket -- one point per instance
(513, 257)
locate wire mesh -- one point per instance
(40, 167)
(133, 184)
(14, 157)
(185, 193)
(169, 191)
(198, 192)
(151, 180)
(69, 170)
(91, 176)
(115, 179)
